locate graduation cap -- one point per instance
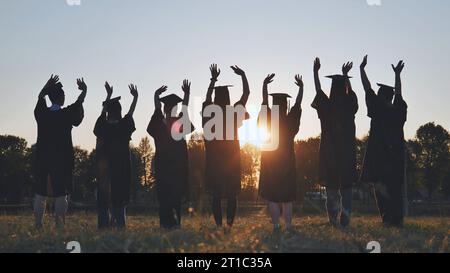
(338, 77)
(386, 90)
(111, 102)
(280, 98)
(171, 100)
(222, 95)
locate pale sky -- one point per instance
(154, 43)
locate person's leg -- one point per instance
(332, 204)
(395, 191)
(103, 218)
(347, 196)
(39, 210)
(119, 217)
(381, 197)
(287, 214)
(217, 210)
(275, 211)
(231, 210)
(61, 205)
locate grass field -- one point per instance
(252, 233)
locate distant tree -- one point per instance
(196, 154)
(307, 161)
(250, 164)
(15, 169)
(137, 171)
(433, 156)
(146, 152)
(82, 176)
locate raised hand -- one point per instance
(399, 68)
(109, 89)
(299, 81)
(269, 79)
(186, 87)
(364, 63)
(161, 90)
(52, 81)
(81, 85)
(238, 70)
(215, 72)
(317, 65)
(133, 90)
(346, 67)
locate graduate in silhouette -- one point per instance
(277, 183)
(54, 149)
(384, 161)
(223, 159)
(337, 155)
(171, 157)
(113, 134)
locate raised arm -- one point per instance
(345, 69)
(83, 87)
(398, 81)
(158, 93)
(47, 87)
(109, 92)
(299, 83)
(245, 86)
(215, 72)
(365, 80)
(186, 87)
(317, 66)
(265, 92)
(134, 93)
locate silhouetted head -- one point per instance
(281, 100)
(338, 86)
(56, 94)
(170, 104)
(386, 92)
(222, 95)
(113, 108)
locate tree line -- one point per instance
(427, 171)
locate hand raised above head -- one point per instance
(81, 85)
(399, 68)
(346, 67)
(364, 62)
(299, 81)
(161, 90)
(215, 72)
(269, 78)
(133, 90)
(109, 89)
(54, 79)
(238, 70)
(317, 64)
(186, 87)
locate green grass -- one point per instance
(252, 233)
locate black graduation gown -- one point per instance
(277, 181)
(384, 160)
(223, 160)
(337, 155)
(54, 148)
(171, 157)
(113, 161)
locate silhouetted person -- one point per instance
(384, 161)
(277, 182)
(113, 157)
(223, 159)
(337, 155)
(171, 157)
(54, 149)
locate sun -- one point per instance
(251, 133)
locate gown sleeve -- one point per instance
(75, 113)
(264, 120)
(205, 119)
(352, 103)
(294, 119)
(156, 123)
(372, 104)
(320, 103)
(400, 108)
(238, 118)
(40, 109)
(128, 126)
(99, 128)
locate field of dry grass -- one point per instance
(252, 233)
